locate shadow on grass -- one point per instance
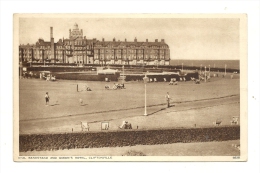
(162, 109)
(55, 104)
(84, 105)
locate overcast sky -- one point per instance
(188, 38)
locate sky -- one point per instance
(188, 38)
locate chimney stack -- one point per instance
(135, 39)
(114, 39)
(52, 46)
(103, 39)
(156, 40)
(51, 32)
(125, 40)
(162, 40)
(146, 40)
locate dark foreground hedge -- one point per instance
(41, 142)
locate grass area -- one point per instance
(64, 98)
(194, 104)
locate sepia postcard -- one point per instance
(130, 87)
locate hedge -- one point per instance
(43, 142)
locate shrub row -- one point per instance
(87, 77)
(43, 142)
(160, 78)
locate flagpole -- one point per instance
(145, 108)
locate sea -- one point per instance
(230, 64)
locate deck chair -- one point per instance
(151, 79)
(164, 79)
(180, 79)
(155, 80)
(104, 125)
(84, 125)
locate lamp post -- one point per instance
(209, 70)
(225, 69)
(145, 81)
(21, 70)
(123, 73)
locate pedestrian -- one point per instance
(47, 98)
(168, 99)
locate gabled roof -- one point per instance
(128, 44)
(26, 45)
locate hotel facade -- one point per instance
(78, 50)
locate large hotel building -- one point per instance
(79, 50)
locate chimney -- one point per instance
(103, 39)
(69, 33)
(114, 39)
(51, 33)
(125, 40)
(146, 40)
(162, 40)
(156, 40)
(81, 31)
(135, 39)
(84, 37)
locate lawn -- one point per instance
(194, 104)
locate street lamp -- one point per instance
(145, 81)
(225, 69)
(123, 73)
(209, 70)
(21, 70)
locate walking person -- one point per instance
(168, 99)
(47, 98)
